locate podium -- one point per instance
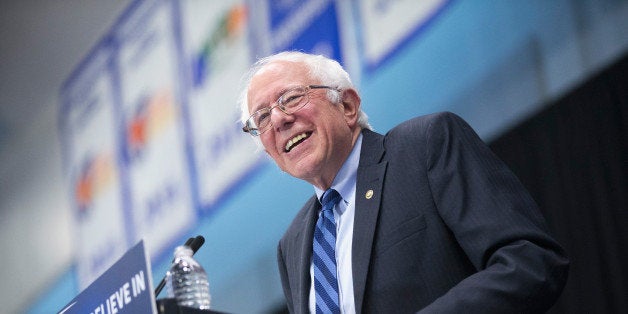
(126, 288)
(170, 306)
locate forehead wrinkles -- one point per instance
(268, 102)
(273, 80)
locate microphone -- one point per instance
(187, 243)
(192, 243)
(196, 243)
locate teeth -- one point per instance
(295, 140)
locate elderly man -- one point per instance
(424, 218)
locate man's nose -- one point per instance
(280, 119)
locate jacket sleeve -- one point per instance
(521, 268)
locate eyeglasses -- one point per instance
(289, 102)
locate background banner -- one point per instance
(218, 54)
(93, 173)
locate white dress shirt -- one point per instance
(344, 211)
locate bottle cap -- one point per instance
(183, 250)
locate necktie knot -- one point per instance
(330, 198)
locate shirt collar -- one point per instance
(344, 182)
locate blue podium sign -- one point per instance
(126, 287)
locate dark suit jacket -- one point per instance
(449, 229)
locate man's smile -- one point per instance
(296, 140)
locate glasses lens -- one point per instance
(289, 103)
(293, 100)
(259, 121)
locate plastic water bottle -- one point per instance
(186, 281)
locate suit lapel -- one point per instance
(371, 171)
(303, 243)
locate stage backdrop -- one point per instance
(149, 124)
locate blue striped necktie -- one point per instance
(324, 258)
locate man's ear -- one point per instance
(351, 106)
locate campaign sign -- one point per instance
(216, 38)
(398, 20)
(155, 157)
(93, 176)
(305, 25)
(126, 287)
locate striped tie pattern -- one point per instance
(324, 258)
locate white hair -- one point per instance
(327, 71)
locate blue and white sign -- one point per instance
(387, 24)
(307, 25)
(92, 168)
(125, 288)
(218, 54)
(156, 158)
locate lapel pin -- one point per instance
(369, 194)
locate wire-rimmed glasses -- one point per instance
(289, 102)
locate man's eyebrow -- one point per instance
(258, 107)
(275, 98)
(283, 91)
